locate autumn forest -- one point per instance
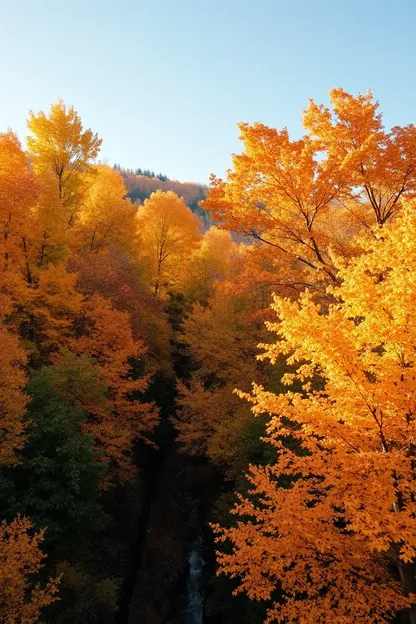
(208, 394)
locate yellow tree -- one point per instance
(62, 152)
(167, 235)
(48, 239)
(338, 542)
(210, 262)
(105, 216)
(47, 310)
(21, 598)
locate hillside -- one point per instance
(142, 183)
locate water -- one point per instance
(194, 609)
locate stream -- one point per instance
(194, 592)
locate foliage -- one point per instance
(104, 301)
(58, 477)
(167, 234)
(72, 362)
(93, 599)
(105, 216)
(299, 198)
(62, 151)
(329, 540)
(222, 340)
(22, 598)
(210, 262)
(105, 336)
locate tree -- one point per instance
(59, 473)
(105, 216)
(222, 340)
(114, 274)
(210, 262)
(47, 241)
(62, 152)
(20, 559)
(18, 193)
(105, 336)
(167, 235)
(339, 541)
(45, 314)
(299, 198)
(379, 165)
(279, 194)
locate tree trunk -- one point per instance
(407, 573)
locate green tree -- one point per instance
(57, 482)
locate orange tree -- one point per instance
(21, 600)
(298, 198)
(338, 543)
(105, 336)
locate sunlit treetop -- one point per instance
(61, 148)
(298, 197)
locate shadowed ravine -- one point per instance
(169, 587)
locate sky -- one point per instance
(164, 82)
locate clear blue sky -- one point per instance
(164, 82)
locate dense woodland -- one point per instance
(281, 367)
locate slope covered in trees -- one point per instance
(141, 184)
(156, 373)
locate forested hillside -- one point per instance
(195, 429)
(142, 183)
